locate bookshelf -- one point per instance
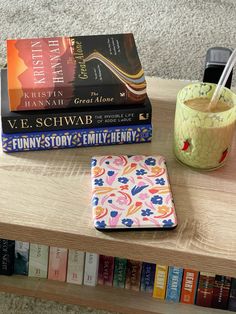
(45, 198)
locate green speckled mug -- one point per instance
(202, 140)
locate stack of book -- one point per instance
(66, 92)
(173, 284)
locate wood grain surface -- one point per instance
(45, 198)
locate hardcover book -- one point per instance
(159, 290)
(61, 72)
(21, 262)
(75, 267)
(38, 260)
(174, 282)
(133, 275)
(189, 286)
(7, 248)
(70, 118)
(205, 289)
(147, 277)
(57, 263)
(91, 269)
(105, 270)
(21, 142)
(232, 296)
(119, 272)
(221, 289)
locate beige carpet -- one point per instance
(172, 38)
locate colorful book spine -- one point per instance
(232, 296)
(57, 263)
(189, 286)
(76, 138)
(174, 283)
(133, 275)
(221, 290)
(119, 272)
(69, 119)
(205, 289)
(159, 290)
(61, 72)
(75, 267)
(105, 270)
(38, 260)
(21, 262)
(91, 269)
(7, 250)
(147, 277)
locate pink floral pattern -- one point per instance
(131, 192)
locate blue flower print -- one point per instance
(127, 222)
(93, 162)
(168, 223)
(146, 212)
(123, 180)
(140, 172)
(150, 161)
(157, 199)
(98, 182)
(95, 201)
(160, 181)
(113, 213)
(101, 224)
(110, 173)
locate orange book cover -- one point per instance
(189, 286)
(159, 290)
(57, 265)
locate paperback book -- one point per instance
(91, 269)
(75, 267)
(61, 72)
(76, 138)
(133, 275)
(205, 289)
(221, 290)
(159, 290)
(70, 118)
(21, 261)
(119, 272)
(57, 263)
(189, 286)
(38, 260)
(174, 282)
(105, 270)
(7, 250)
(147, 277)
(232, 296)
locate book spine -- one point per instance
(7, 248)
(91, 269)
(133, 275)
(221, 290)
(21, 262)
(75, 267)
(189, 286)
(105, 270)
(38, 260)
(232, 296)
(76, 138)
(57, 263)
(43, 121)
(147, 277)
(159, 290)
(174, 282)
(205, 289)
(119, 272)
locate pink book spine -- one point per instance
(57, 263)
(105, 270)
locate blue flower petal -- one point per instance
(110, 173)
(114, 213)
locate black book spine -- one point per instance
(44, 121)
(7, 250)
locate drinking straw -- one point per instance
(222, 81)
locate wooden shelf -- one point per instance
(45, 198)
(108, 298)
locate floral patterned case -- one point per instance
(131, 192)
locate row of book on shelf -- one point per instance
(174, 284)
